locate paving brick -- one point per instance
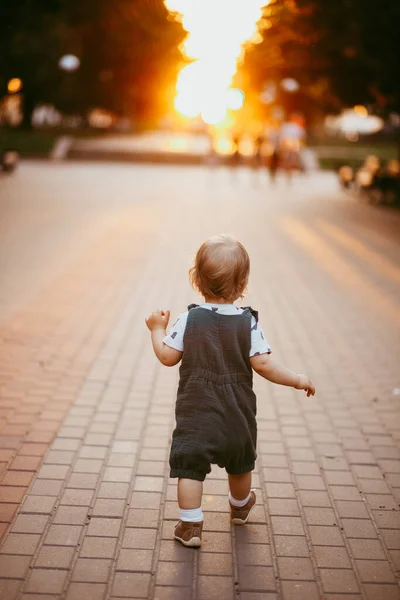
(304, 590)
(135, 560)
(326, 536)
(88, 570)
(26, 463)
(381, 501)
(283, 507)
(340, 581)
(139, 538)
(92, 452)
(72, 497)
(172, 593)
(63, 535)
(159, 454)
(320, 516)
(121, 460)
(17, 478)
(14, 566)
(46, 581)
(53, 472)
(391, 538)
(71, 515)
(151, 468)
(10, 494)
(87, 465)
(20, 543)
(256, 578)
(387, 519)
(65, 444)
(7, 511)
(215, 564)
(98, 547)
(29, 524)
(143, 500)
(290, 545)
(341, 478)
(59, 457)
(258, 596)
(88, 591)
(113, 490)
(287, 526)
(254, 554)
(9, 589)
(332, 558)
(314, 498)
(210, 587)
(54, 557)
(108, 508)
(86, 481)
(46, 487)
(355, 510)
(277, 475)
(381, 591)
(295, 568)
(39, 597)
(148, 518)
(373, 486)
(174, 573)
(305, 468)
(104, 527)
(131, 585)
(251, 534)
(358, 528)
(38, 505)
(280, 490)
(375, 571)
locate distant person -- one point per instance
(236, 156)
(258, 150)
(274, 162)
(292, 136)
(219, 344)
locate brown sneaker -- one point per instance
(240, 516)
(189, 534)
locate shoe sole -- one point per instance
(194, 542)
(243, 521)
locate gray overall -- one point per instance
(216, 406)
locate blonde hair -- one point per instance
(221, 268)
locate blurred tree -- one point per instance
(127, 48)
(343, 52)
(31, 32)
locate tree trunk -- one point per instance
(28, 106)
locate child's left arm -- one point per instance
(157, 323)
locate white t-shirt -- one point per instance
(259, 344)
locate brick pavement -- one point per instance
(87, 412)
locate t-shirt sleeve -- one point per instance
(174, 339)
(259, 344)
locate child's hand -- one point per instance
(305, 384)
(158, 319)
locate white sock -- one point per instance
(238, 503)
(192, 515)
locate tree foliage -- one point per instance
(341, 52)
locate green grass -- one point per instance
(32, 142)
(333, 153)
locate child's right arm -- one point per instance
(265, 366)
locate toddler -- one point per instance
(219, 345)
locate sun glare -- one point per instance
(217, 34)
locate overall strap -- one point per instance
(193, 306)
(252, 311)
